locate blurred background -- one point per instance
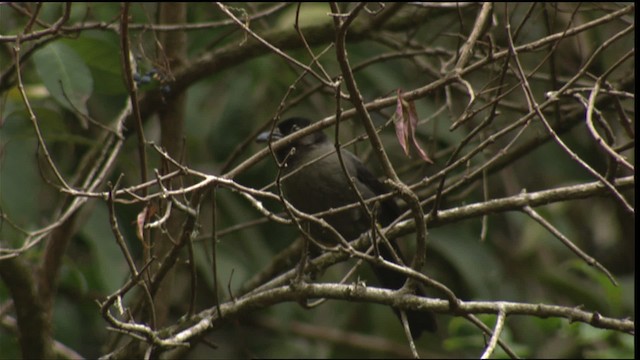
(232, 87)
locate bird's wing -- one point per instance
(389, 210)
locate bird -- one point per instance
(313, 182)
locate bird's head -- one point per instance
(288, 127)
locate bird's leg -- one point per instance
(300, 267)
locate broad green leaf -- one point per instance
(310, 14)
(102, 56)
(65, 75)
(109, 258)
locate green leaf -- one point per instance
(109, 258)
(311, 14)
(65, 75)
(102, 56)
(472, 259)
(20, 183)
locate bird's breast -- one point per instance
(322, 186)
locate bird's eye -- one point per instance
(295, 128)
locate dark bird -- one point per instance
(313, 187)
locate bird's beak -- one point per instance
(265, 136)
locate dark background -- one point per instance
(233, 87)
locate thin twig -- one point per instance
(568, 243)
(497, 331)
(536, 108)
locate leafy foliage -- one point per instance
(526, 110)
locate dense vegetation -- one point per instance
(136, 207)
